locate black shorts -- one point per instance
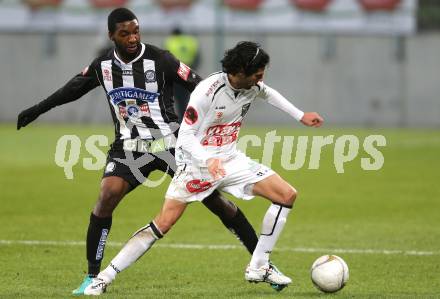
(135, 167)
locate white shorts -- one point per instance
(196, 183)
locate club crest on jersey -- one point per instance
(244, 109)
(150, 76)
(133, 111)
(183, 71)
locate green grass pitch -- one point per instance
(385, 223)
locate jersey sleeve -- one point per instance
(274, 98)
(180, 72)
(195, 113)
(74, 89)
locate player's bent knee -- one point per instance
(293, 194)
(107, 201)
(109, 195)
(289, 196)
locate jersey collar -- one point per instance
(136, 58)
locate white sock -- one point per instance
(139, 243)
(273, 223)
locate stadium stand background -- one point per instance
(352, 79)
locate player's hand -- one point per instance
(312, 119)
(27, 116)
(215, 168)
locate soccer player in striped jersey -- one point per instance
(138, 80)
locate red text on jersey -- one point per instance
(221, 134)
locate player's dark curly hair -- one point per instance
(246, 57)
(119, 15)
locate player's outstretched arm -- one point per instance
(27, 116)
(312, 119)
(73, 90)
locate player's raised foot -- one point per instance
(80, 290)
(267, 273)
(97, 287)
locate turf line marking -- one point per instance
(226, 247)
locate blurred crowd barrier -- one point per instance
(351, 80)
(357, 62)
(336, 16)
(315, 5)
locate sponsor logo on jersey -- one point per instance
(244, 109)
(197, 186)
(145, 109)
(127, 72)
(123, 112)
(191, 115)
(220, 135)
(150, 76)
(212, 87)
(107, 75)
(183, 71)
(218, 114)
(120, 94)
(220, 107)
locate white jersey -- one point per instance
(214, 117)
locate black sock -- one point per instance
(97, 234)
(244, 231)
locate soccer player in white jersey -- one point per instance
(207, 160)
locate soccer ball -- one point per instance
(329, 273)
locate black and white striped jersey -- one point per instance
(139, 93)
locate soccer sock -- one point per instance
(242, 229)
(97, 234)
(273, 224)
(138, 244)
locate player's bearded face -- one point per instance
(249, 81)
(127, 39)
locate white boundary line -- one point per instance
(226, 247)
